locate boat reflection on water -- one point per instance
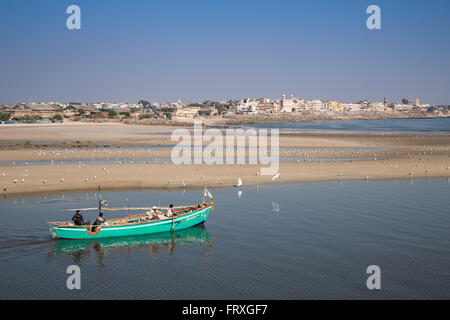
(153, 243)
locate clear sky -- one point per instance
(224, 49)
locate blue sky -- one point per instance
(217, 49)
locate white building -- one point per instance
(315, 105)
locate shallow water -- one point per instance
(422, 126)
(280, 241)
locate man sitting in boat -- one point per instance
(97, 222)
(99, 219)
(153, 214)
(171, 211)
(78, 218)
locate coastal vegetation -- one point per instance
(5, 116)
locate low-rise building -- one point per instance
(377, 106)
(351, 107)
(187, 112)
(315, 105)
(210, 111)
(335, 106)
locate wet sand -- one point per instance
(98, 177)
(118, 134)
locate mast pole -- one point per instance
(129, 210)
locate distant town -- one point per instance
(262, 109)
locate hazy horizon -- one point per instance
(220, 50)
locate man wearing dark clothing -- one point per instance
(78, 218)
(99, 220)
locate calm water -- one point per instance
(434, 125)
(281, 241)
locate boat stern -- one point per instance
(52, 228)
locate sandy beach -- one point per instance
(337, 156)
(84, 133)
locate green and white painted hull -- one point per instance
(133, 226)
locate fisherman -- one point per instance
(99, 220)
(171, 211)
(78, 218)
(153, 214)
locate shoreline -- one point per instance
(312, 117)
(235, 119)
(69, 178)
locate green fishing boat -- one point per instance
(159, 219)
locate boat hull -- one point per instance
(108, 231)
